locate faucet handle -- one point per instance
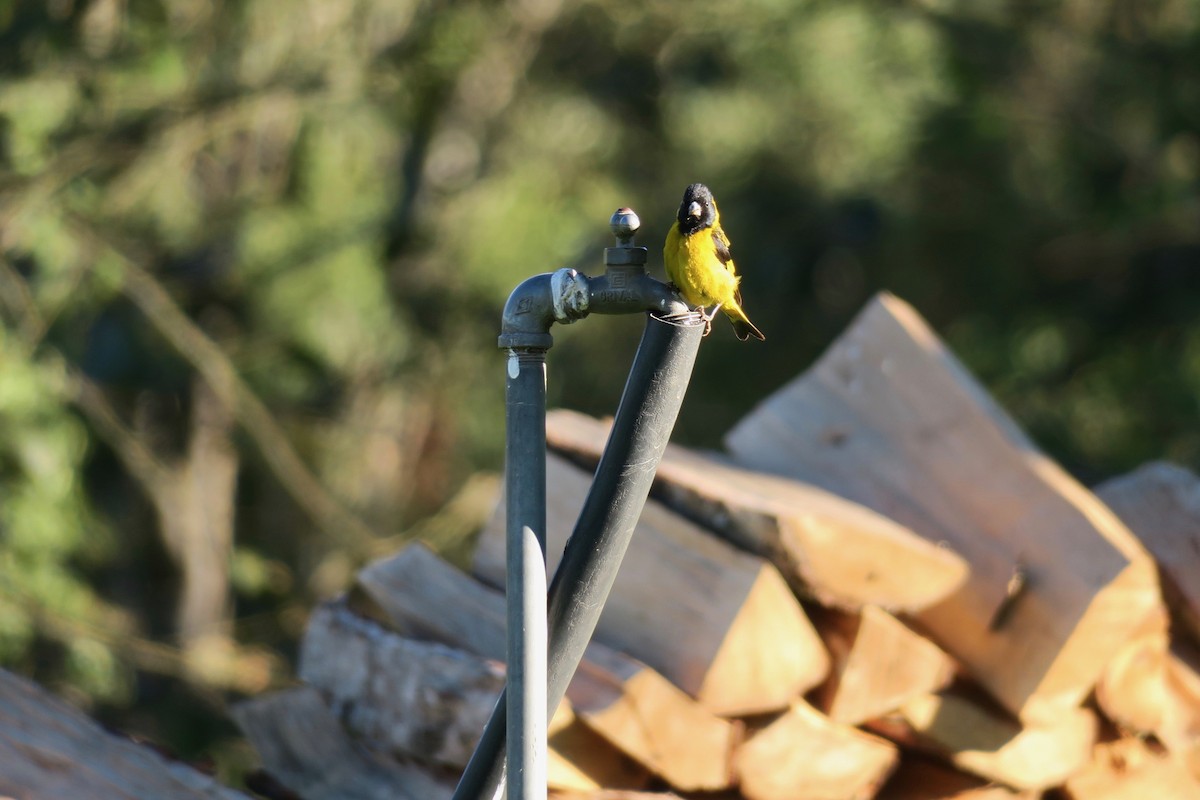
(624, 224)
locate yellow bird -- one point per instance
(699, 263)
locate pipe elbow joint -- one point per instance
(561, 296)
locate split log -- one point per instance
(986, 742)
(428, 701)
(890, 419)
(830, 548)
(656, 724)
(1128, 768)
(1153, 687)
(720, 624)
(1132, 691)
(303, 746)
(1160, 502)
(581, 760)
(406, 697)
(802, 755)
(418, 594)
(880, 665)
(624, 701)
(1180, 731)
(920, 778)
(48, 749)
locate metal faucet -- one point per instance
(548, 629)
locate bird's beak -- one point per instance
(693, 209)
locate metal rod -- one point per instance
(525, 466)
(645, 417)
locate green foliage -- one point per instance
(339, 195)
(46, 520)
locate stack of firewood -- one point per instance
(882, 589)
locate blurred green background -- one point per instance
(253, 254)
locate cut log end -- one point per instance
(965, 729)
(803, 748)
(884, 664)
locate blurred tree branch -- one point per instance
(161, 483)
(469, 105)
(187, 528)
(143, 466)
(255, 419)
(194, 497)
(252, 670)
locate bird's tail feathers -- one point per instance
(743, 328)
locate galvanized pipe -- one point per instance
(525, 466)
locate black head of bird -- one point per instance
(697, 210)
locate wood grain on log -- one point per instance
(1160, 502)
(50, 750)
(890, 419)
(630, 705)
(882, 664)
(303, 746)
(829, 548)
(1128, 768)
(719, 623)
(961, 728)
(803, 755)
(406, 697)
(428, 701)
(1153, 687)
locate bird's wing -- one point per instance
(721, 248)
(721, 245)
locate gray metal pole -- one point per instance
(525, 466)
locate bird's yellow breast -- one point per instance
(692, 265)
